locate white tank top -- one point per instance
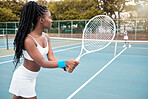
(42, 50)
(125, 33)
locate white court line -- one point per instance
(61, 50)
(66, 49)
(6, 62)
(9, 61)
(95, 75)
(53, 48)
(6, 47)
(76, 44)
(67, 45)
(53, 51)
(6, 55)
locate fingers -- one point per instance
(70, 70)
(77, 62)
(71, 64)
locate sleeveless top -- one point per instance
(42, 50)
(125, 33)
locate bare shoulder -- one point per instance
(47, 36)
(28, 39)
(28, 42)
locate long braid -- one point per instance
(30, 13)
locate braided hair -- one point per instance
(30, 14)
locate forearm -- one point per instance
(49, 64)
(54, 64)
(58, 63)
(52, 58)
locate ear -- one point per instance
(41, 20)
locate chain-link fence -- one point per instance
(137, 28)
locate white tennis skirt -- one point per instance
(23, 82)
(125, 37)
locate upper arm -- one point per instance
(50, 54)
(32, 50)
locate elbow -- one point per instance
(43, 66)
(42, 63)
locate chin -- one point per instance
(48, 28)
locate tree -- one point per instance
(6, 15)
(74, 9)
(11, 8)
(112, 6)
(42, 2)
(140, 7)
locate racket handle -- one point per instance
(77, 59)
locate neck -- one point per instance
(37, 31)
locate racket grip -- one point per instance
(77, 59)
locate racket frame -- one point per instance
(83, 48)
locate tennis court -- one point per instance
(124, 78)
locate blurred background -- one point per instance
(70, 16)
(124, 78)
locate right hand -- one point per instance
(71, 63)
(70, 70)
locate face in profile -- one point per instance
(47, 21)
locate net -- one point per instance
(60, 42)
(137, 47)
(137, 28)
(2, 41)
(6, 41)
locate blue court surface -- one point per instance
(3, 43)
(126, 77)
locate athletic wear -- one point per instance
(125, 35)
(42, 50)
(23, 82)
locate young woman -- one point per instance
(125, 37)
(33, 44)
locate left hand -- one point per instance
(70, 70)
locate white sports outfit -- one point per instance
(125, 35)
(23, 80)
(42, 50)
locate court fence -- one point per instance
(137, 28)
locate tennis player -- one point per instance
(125, 37)
(33, 44)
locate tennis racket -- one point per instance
(97, 34)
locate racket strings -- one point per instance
(94, 28)
(93, 46)
(97, 32)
